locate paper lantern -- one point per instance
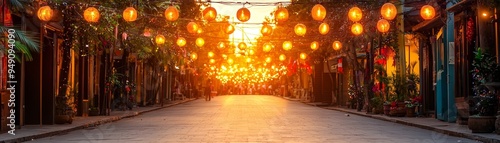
(194, 56)
(383, 25)
(314, 45)
(318, 12)
(248, 60)
(324, 28)
(427, 12)
(355, 14)
(212, 61)
(303, 56)
(130, 14)
(91, 14)
(281, 15)
(199, 31)
(45, 13)
(243, 14)
(209, 14)
(268, 60)
(159, 39)
(221, 45)
(211, 54)
(357, 29)
(267, 47)
(242, 45)
(251, 52)
(300, 29)
(282, 57)
(336, 45)
(200, 42)
(192, 27)
(230, 61)
(388, 11)
(181, 42)
(172, 13)
(287, 45)
(229, 29)
(266, 30)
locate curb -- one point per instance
(443, 131)
(91, 124)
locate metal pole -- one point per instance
(42, 27)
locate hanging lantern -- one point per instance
(45, 13)
(357, 28)
(200, 42)
(267, 47)
(159, 39)
(209, 13)
(268, 60)
(300, 29)
(212, 61)
(282, 57)
(355, 14)
(336, 45)
(340, 69)
(211, 54)
(287, 45)
(229, 29)
(130, 14)
(314, 45)
(249, 59)
(324, 28)
(91, 14)
(383, 25)
(230, 61)
(266, 30)
(192, 27)
(181, 42)
(199, 31)
(318, 12)
(281, 15)
(388, 11)
(242, 45)
(251, 52)
(194, 56)
(427, 12)
(303, 56)
(243, 14)
(221, 45)
(172, 13)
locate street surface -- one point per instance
(251, 118)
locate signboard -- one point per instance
(451, 53)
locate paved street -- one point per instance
(251, 118)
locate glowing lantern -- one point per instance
(171, 13)
(243, 14)
(303, 56)
(130, 14)
(221, 45)
(229, 29)
(281, 15)
(200, 42)
(267, 47)
(355, 14)
(194, 56)
(266, 30)
(209, 13)
(268, 59)
(324, 28)
(212, 61)
(199, 31)
(282, 57)
(300, 29)
(249, 60)
(91, 14)
(230, 61)
(242, 45)
(45, 13)
(160, 39)
(383, 25)
(357, 28)
(388, 11)
(251, 52)
(181, 42)
(211, 54)
(427, 12)
(192, 27)
(314, 46)
(336, 45)
(287, 45)
(318, 12)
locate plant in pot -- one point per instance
(377, 104)
(411, 105)
(484, 103)
(398, 92)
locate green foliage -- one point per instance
(26, 42)
(399, 87)
(485, 69)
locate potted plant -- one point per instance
(64, 112)
(411, 106)
(377, 104)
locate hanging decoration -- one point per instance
(130, 14)
(324, 28)
(281, 15)
(172, 13)
(318, 12)
(469, 34)
(159, 39)
(243, 14)
(209, 13)
(314, 45)
(268, 60)
(355, 14)
(181, 42)
(303, 56)
(340, 69)
(282, 57)
(266, 30)
(230, 61)
(221, 45)
(427, 12)
(300, 29)
(45, 13)
(229, 28)
(287, 45)
(200, 42)
(91, 14)
(242, 46)
(388, 11)
(267, 47)
(357, 28)
(212, 61)
(211, 54)
(383, 25)
(194, 56)
(192, 27)
(337, 45)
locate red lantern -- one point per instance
(339, 66)
(243, 14)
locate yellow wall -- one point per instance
(411, 52)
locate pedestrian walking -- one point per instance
(208, 90)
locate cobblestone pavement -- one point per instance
(251, 118)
